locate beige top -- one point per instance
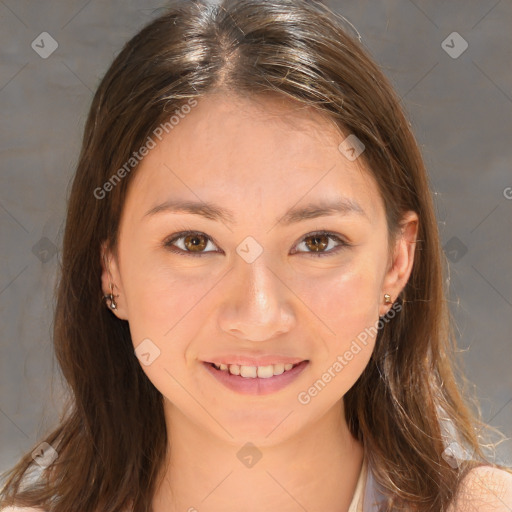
(356, 505)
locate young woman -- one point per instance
(251, 313)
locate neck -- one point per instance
(315, 469)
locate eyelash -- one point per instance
(177, 236)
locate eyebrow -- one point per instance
(341, 205)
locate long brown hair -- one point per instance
(111, 440)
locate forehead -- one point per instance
(263, 152)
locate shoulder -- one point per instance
(486, 489)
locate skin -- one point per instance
(257, 157)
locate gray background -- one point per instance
(460, 109)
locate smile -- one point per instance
(252, 372)
(255, 380)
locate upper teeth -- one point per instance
(263, 372)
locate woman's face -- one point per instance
(253, 286)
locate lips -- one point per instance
(256, 380)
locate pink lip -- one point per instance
(253, 361)
(255, 386)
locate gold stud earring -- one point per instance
(387, 298)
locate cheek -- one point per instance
(160, 306)
(344, 299)
(344, 349)
(346, 314)
(163, 311)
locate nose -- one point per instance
(257, 304)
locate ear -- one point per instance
(402, 260)
(111, 276)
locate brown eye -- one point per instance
(190, 242)
(195, 243)
(316, 244)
